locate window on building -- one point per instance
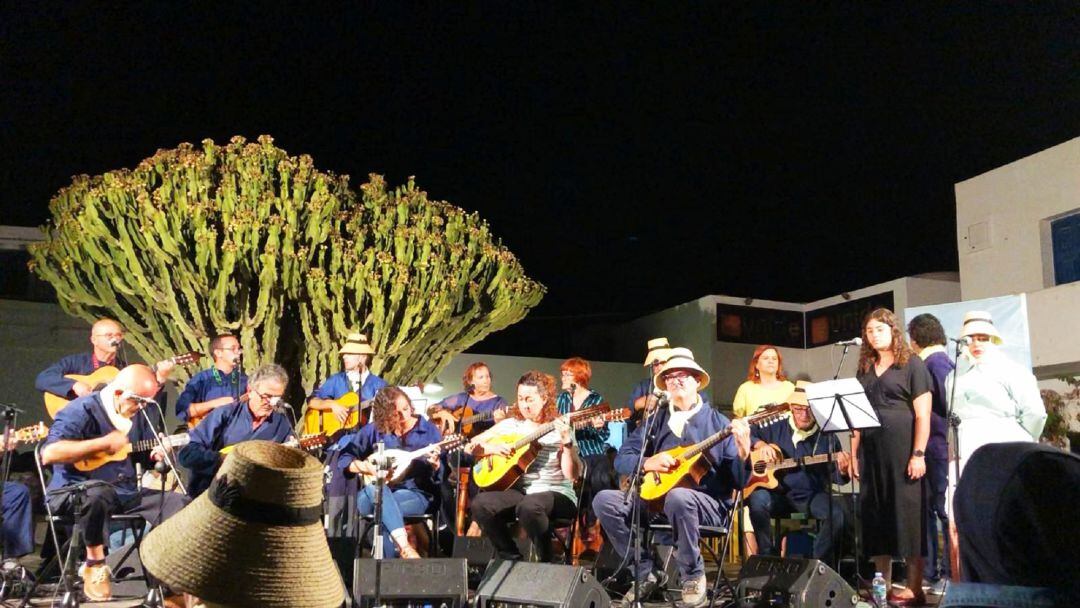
(1065, 244)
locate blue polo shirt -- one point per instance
(85, 418)
(52, 380)
(223, 427)
(460, 400)
(590, 440)
(360, 444)
(727, 472)
(207, 385)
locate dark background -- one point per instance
(632, 158)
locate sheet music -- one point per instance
(823, 403)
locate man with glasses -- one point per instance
(805, 488)
(215, 387)
(106, 336)
(228, 425)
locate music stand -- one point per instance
(841, 406)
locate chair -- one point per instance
(432, 522)
(573, 524)
(712, 535)
(65, 550)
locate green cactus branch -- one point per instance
(244, 238)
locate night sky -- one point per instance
(632, 158)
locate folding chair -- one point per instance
(572, 524)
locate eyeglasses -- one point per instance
(271, 399)
(677, 376)
(567, 374)
(980, 338)
(232, 348)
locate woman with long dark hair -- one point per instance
(892, 457)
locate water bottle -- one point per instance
(880, 592)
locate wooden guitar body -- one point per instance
(654, 486)
(101, 375)
(761, 474)
(326, 423)
(502, 472)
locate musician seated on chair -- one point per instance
(687, 419)
(396, 425)
(356, 355)
(546, 489)
(218, 386)
(104, 422)
(477, 397)
(803, 488)
(227, 426)
(106, 336)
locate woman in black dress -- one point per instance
(892, 461)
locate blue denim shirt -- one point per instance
(206, 385)
(360, 444)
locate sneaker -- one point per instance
(694, 593)
(97, 581)
(655, 581)
(938, 588)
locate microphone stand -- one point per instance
(953, 440)
(377, 548)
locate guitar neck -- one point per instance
(791, 463)
(709, 442)
(172, 441)
(480, 417)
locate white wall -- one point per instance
(1016, 201)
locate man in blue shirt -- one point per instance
(215, 387)
(105, 422)
(804, 489)
(226, 426)
(356, 355)
(688, 419)
(641, 397)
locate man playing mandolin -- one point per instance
(104, 422)
(687, 419)
(805, 486)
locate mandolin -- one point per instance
(27, 434)
(400, 461)
(501, 472)
(316, 421)
(102, 376)
(99, 459)
(764, 474)
(690, 466)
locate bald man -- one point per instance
(105, 421)
(106, 336)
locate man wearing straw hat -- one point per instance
(804, 489)
(104, 422)
(259, 418)
(642, 398)
(356, 378)
(254, 538)
(995, 399)
(687, 419)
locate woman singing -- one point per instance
(477, 396)
(397, 427)
(546, 490)
(765, 384)
(891, 499)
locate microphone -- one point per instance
(573, 389)
(851, 342)
(115, 343)
(470, 388)
(962, 340)
(662, 397)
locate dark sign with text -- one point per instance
(750, 325)
(842, 321)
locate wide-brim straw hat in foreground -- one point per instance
(255, 538)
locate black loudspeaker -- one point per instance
(512, 584)
(343, 550)
(411, 582)
(128, 576)
(477, 551)
(792, 583)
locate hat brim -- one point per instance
(684, 364)
(657, 354)
(215, 556)
(974, 328)
(356, 349)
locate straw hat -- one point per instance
(980, 322)
(356, 344)
(255, 538)
(682, 358)
(658, 351)
(798, 396)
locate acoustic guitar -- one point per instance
(27, 434)
(690, 466)
(316, 421)
(466, 418)
(102, 376)
(765, 474)
(400, 461)
(193, 421)
(501, 472)
(99, 459)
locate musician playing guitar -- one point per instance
(106, 336)
(105, 421)
(687, 419)
(546, 489)
(356, 378)
(396, 425)
(803, 488)
(218, 386)
(258, 418)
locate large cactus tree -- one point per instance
(247, 239)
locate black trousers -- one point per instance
(91, 509)
(494, 511)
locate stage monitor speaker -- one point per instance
(410, 582)
(128, 575)
(513, 584)
(477, 552)
(792, 583)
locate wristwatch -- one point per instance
(918, 453)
